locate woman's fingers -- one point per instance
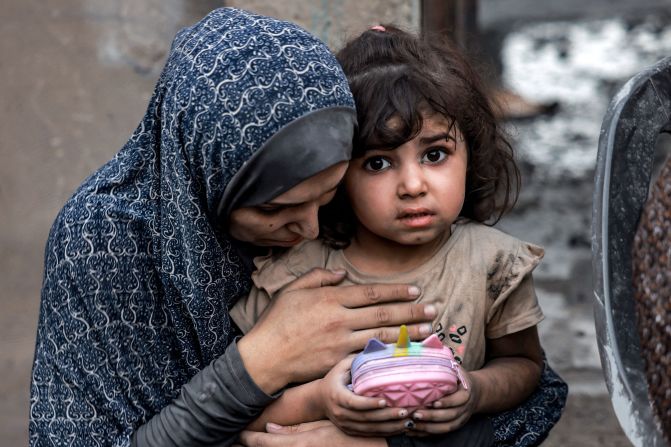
(258, 439)
(307, 328)
(386, 428)
(389, 334)
(316, 278)
(370, 294)
(392, 315)
(279, 435)
(297, 428)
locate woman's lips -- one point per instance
(290, 243)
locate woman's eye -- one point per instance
(326, 198)
(375, 164)
(434, 155)
(269, 209)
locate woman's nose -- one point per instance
(305, 222)
(412, 182)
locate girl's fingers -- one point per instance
(446, 415)
(439, 421)
(381, 415)
(355, 403)
(456, 399)
(338, 379)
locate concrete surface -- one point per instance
(75, 78)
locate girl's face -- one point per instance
(412, 194)
(290, 217)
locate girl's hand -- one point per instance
(306, 435)
(448, 413)
(358, 415)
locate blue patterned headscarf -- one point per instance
(139, 271)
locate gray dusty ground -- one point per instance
(76, 75)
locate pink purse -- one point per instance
(405, 373)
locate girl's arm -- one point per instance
(297, 405)
(512, 371)
(329, 398)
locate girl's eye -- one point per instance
(375, 164)
(434, 156)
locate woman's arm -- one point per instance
(212, 408)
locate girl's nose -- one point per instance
(305, 223)
(412, 182)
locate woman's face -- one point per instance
(290, 217)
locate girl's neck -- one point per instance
(375, 255)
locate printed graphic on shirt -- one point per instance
(456, 336)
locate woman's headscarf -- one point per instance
(139, 271)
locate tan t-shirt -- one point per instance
(480, 281)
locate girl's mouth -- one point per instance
(416, 218)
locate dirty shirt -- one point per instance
(479, 280)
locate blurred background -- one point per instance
(76, 75)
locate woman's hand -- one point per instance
(358, 415)
(449, 412)
(311, 326)
(310, 434)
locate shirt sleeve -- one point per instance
(271, 274)
(515, 307)
(274, 272)
(248, 309)
(212, 408)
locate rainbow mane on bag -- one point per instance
(405, 373)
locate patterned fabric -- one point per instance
(529, 424)
(139, 274)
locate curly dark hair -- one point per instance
(395, 74)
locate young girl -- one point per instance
(430, 170)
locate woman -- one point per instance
(140, 269)
(247, 133)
